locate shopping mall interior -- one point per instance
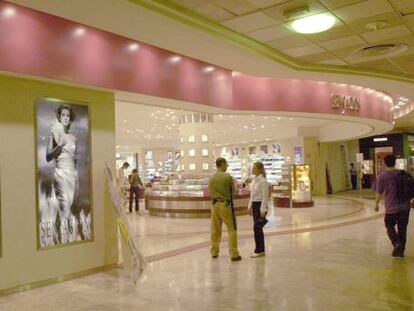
(319, 91)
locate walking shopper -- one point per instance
(259, 196)
(221, 186)
(397, 209)
(134, 182)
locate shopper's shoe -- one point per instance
(214, 256)
(255, 255)
(238, 258)
(397, 250)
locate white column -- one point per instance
(196, 134)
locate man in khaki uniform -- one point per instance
(221, 188)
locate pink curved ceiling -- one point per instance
(37, 44)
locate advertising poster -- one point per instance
(235, 151)
(298, 154)
(252, 150)
(263, 149)
(64, 209)
(276, 148)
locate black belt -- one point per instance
(220, 200)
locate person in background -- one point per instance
(354, 176)
(134, 182)
(259, 196)
(221, 187)
(396, 213)
(122, 178)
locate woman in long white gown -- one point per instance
(61, 147)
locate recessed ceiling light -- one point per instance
(208, 69)
(8, 12)
(314, 24)
(174, 59)
(133, 47)
(79, 31)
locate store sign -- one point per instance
(345, 103)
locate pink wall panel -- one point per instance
(271, 94)
(43, 45)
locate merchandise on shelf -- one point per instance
(272, 164)
(235, 168)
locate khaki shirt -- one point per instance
(220, 184)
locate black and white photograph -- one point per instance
(63, 172)
(276, 148)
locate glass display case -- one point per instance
(281, 190)
(368, 167)
(235, 168)
(272, 165)
(187, 197)
(301, 186)
(194, 187)
(401, 164)
(149, 166)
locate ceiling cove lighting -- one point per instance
(314, 24)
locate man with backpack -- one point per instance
(397, 187)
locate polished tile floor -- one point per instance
(319, 259)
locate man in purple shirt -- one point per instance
(396, 213)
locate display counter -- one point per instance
(189, 207)
(188, 198)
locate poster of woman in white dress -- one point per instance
(63, 173)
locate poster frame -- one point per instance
(35, 133)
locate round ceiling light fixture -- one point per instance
(314, 24)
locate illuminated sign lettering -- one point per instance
(345, 103)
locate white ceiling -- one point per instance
(142, 126)
(268, 23)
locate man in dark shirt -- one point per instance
(396, 213)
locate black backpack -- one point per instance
(405, 187)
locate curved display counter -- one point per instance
(189, 207)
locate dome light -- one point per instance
(314, 24)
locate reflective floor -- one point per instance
(341, 261)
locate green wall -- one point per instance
(21, 263)
(322, 155)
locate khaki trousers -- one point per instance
(220, 213)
